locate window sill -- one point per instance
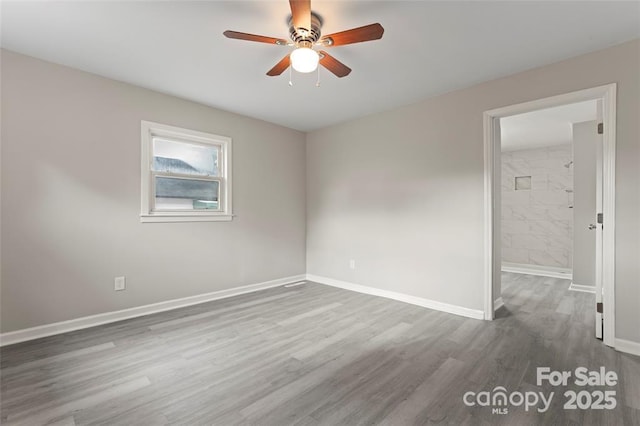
(163, 218)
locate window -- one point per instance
(186, 175)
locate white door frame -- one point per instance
(607, 94)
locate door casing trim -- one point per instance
(606, 94)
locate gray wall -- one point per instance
(71, 199)
(401, 192)
(585, 142)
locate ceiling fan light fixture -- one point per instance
(305, 32)
(304, 59)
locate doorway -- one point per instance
(602, 225)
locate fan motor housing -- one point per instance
(306, 35)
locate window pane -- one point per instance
(186, 158)
(186, 194)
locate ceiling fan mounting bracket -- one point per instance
(306, 35)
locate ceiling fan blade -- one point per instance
(301, 13)
(252, 37)
(334, 65)
(279, 67)
(355, 35)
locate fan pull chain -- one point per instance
(318, 81)
(290, 82)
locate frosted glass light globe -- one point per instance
(304, 59)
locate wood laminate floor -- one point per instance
(317, 355)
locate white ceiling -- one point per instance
(428, 48)
(545, 127)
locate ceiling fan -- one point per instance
(306, 37)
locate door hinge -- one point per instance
(600, 128)
(599, 219)
(599, 307)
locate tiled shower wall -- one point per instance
(537, 223)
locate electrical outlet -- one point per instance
(352, 264)
(119, 284)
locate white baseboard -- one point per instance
(584, 288)
(543, 271)
(498, 303)
(627, 346)
(109, 317)
(426, 303)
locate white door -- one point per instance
(587, 203)
(597, 222)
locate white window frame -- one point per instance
(151, 130)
